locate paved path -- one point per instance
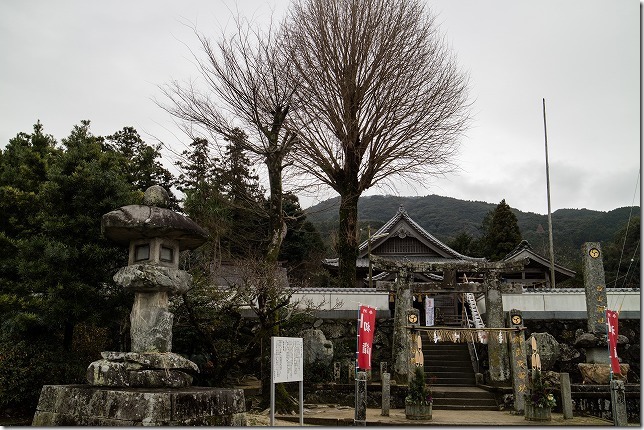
(334, 416)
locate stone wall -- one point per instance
(565, 332)
(343, 332)
(595, 400)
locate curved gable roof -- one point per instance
(524, 250)
(389, 230)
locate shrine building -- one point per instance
(401, 239)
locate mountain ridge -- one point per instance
(445, 217)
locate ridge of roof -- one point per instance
(402, 214)
(524, 246)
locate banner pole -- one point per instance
(608, 342)
(272, 417)
(302, 403)
(355, 373)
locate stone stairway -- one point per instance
(449, 368)
(449, 363)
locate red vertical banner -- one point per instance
(366, 328)
(611, 320)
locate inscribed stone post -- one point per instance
(566, 395)
(618, 403)
(518, 360)
(383, 368)
(360, 418)
(497, 351)
(595, 285)
(413, 337)
(400, 347)
(386, 396)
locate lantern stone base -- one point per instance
(595, 373)
(150, 369)
(70, 405)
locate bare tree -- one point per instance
(380, 96)
(245, 82)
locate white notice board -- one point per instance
(287, 358)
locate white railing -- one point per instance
(474, 310)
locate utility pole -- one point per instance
(552, 253)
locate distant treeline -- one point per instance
(447, 217)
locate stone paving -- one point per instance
(323, 415)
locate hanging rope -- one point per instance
(463, 335)
(628, 224)
(620, 298)
(623, 295)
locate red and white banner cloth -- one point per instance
(611, 320)
(366, 328)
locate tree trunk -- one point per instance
(277, 225)
(348, 238)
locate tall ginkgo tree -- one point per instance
(379, 96)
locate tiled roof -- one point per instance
(524, 249)
(402, 214)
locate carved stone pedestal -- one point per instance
(596, 373)
(84, 405)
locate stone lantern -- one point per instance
(155, 236)
(150, 385)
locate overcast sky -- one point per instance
(68, 60)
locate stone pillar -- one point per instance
(595, 285)
(415, 354)
(360, 418)
(618, 403)
(383, 368)
(336, 371)
(497, 352)
(518, 360)
(400, 347)
(566, 395)
(386, 397)
(151, 323)
(594, 341)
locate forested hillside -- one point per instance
(446, 217)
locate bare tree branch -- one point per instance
(247, 84)
(380, 97)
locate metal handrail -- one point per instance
(476, 321)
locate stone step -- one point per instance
(443, 393)
(447, 371)
(446, 358)
(456, 382)
(448, 364)
(464, 407)
(456, 397)
(441, 373)
(446, 347)
(452, 401)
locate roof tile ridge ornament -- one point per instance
(437, 242)
(523, 245)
